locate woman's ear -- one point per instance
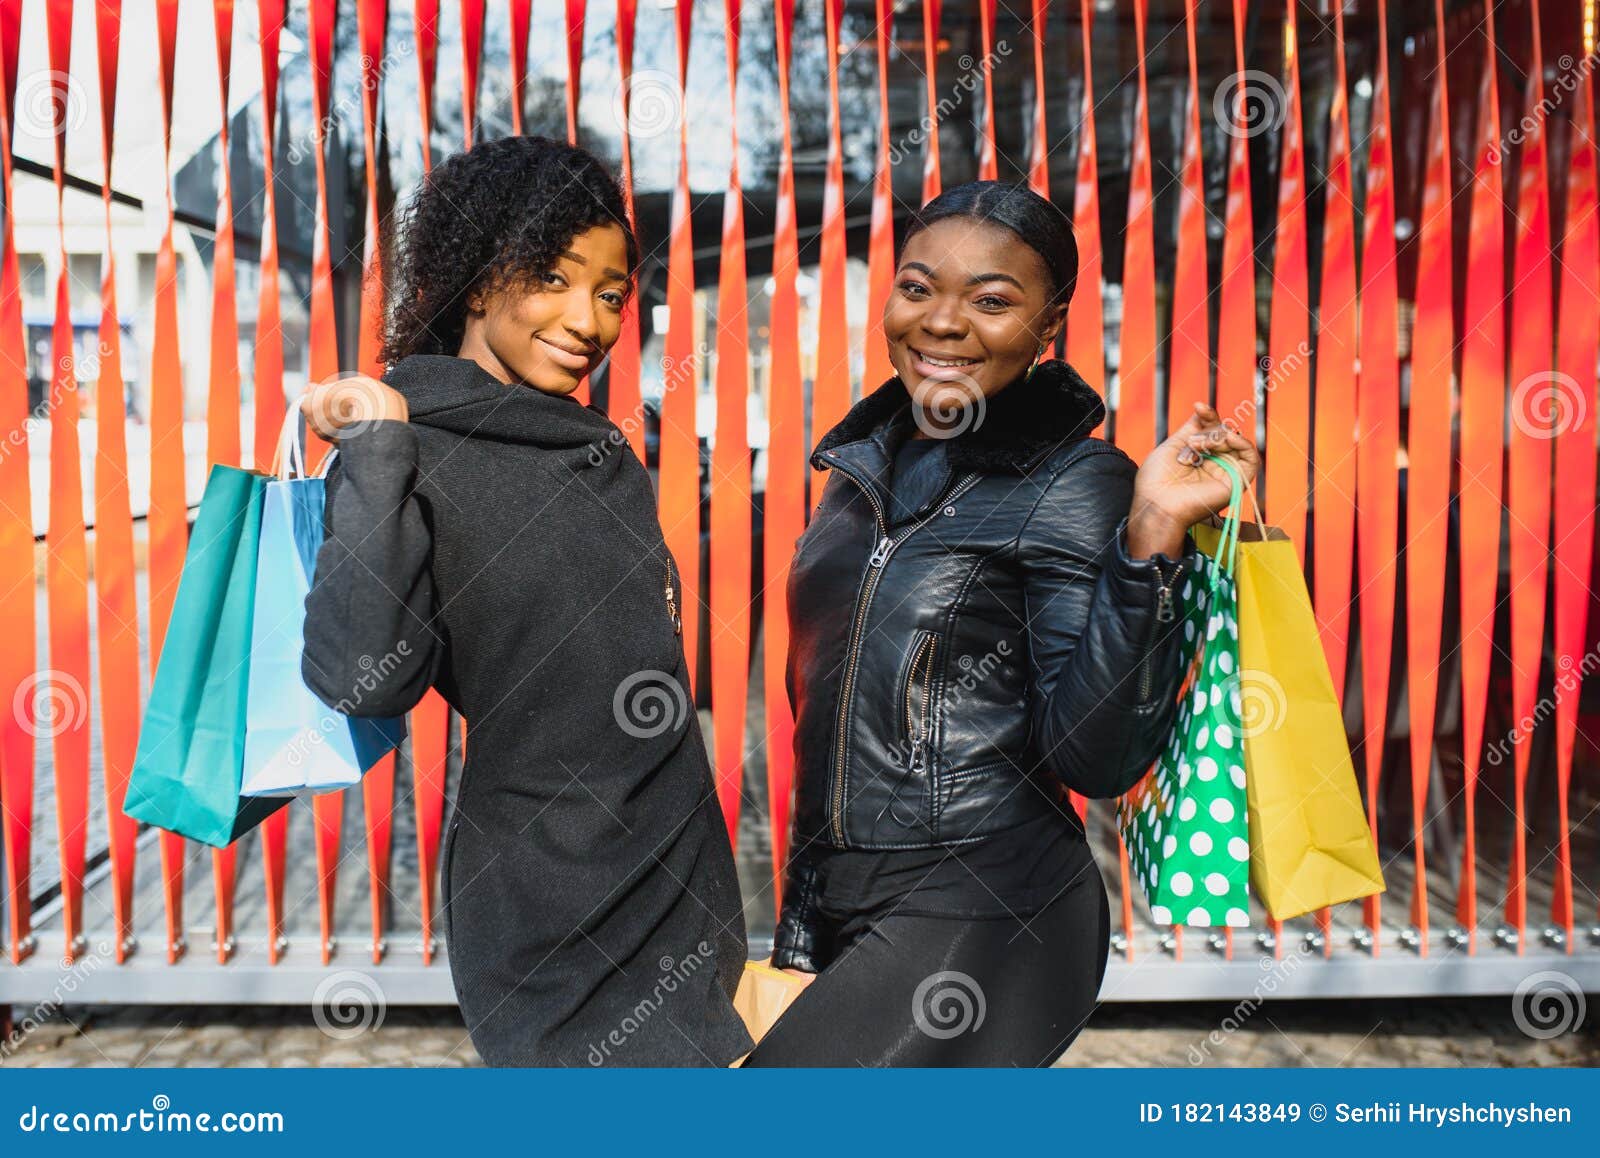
(1055, 319)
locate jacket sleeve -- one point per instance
(371, 644)
(1106, 645)
(797, 941)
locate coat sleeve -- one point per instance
(797, 942)
(1106, 646)
(372, 645)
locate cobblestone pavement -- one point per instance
(1454, 1032)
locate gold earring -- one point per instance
(1035, 365)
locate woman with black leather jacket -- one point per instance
(981, 617)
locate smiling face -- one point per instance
(970, 306)
(551, 334)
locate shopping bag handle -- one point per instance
(1227, 546)
(289, 460)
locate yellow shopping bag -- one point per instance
(763, 994)
(1309, 841)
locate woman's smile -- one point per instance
(565, 356)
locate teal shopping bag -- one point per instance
(186, 771)
(294, 743)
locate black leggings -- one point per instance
(947, 991)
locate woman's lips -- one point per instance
(927, 369)
(564, 357)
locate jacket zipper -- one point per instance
(918, 721)
(880, 555)
(1164, 614)
(672, 599)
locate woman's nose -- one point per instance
(943, 318)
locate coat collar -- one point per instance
(1018, 426)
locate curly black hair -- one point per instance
(495, 217)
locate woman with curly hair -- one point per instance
(490, 536)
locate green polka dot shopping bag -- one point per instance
(1186, 824)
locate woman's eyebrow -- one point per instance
(613, 274)
(975, 279)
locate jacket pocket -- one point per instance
(917, 700)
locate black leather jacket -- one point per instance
(951, 672)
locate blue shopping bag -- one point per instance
(294, 743)
(186, 769)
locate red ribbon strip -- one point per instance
(1428, 468)
(626, 361)
(931, 14)
(730, 472)
(471, 60)
(67, 681)
(520, 16)
(988, 166)
(1530, 455)
(1189, 380)
(18, 667)
(117, 614)
(1577, 347)
(830, 394)
(1135, 429)
(880, 243)
(1086, 339)
(679, 474)
(1378, 441)
(1288, 386)
(784, 513)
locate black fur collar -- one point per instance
(1024, 420)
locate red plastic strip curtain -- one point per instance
(1086, 338)
(1483, 402)
(1333, 485)
(678, 491)
(269, 399)
(1288, 387)
(167, 524)
(1573, 401)
(784, 514)
(931, 11)
(64, 689)
(1236, 292)
(1428, 467)
(116, 604)
(1135, 429)
(730, 473)
(988, 167)
(1378, 442)
(425, 29)
(222, 404)
(575, 13)
(622, 377)
(18, 671)
(1189, 379)
(880, 244)
(520, 17)
(471, 61)
(830, 394)
(377, 786)
(222, 407)
(1039, 152)
(1577, 348)
(1529, 458)
(323, 356)
(429, 722)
